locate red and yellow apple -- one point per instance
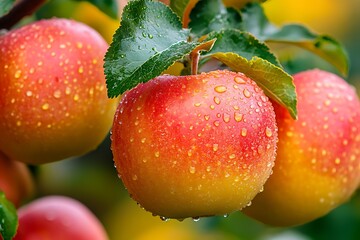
(193, 146)
(15, 180)
(58, 218)
(53, 100)
(317, 167)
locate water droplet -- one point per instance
(57, 94)
(17, 74)
(268, 132)
(243, 132)
(260, 149)
(226, 215)
(50, 216)
(196, 219)
(239, 80)
(165, 219)
(81, 69)
(232, 156)
(215, 147)
(264, 98)
(143, 140)
(197, 104)
(249, 204)
(216, 123)
(134, 177)
(238, 116)
(144, 34)
(226, 117)
(247, 93)
(29, 93)
(220, 89)
(76, 97)
(207, 117)
(67, 90)
(192, 169)
(45, 106)
(150, 36)
(217, 100)
(327, 102)
(157, 154)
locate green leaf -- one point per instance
(5, 6)
(8, 218)
(109, 7)
(212, 15)
(241, 43)
(277, 84)
(179, 6)
(324, 46)
(149, 40)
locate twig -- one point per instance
(21, 9)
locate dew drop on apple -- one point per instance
(29, 93)
(50, 216)
(239, 80)
(246, 93)
(165, 219)
(220, 89)
(226, 117)
(215, 147)
(217, 100)
(238, 117)
(57, 94)
(243, 132)
(268, 132)
(196, 219)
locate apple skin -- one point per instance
(317, 167)
(58, 218)
(194, 146)
(15, 180)
(53, 100)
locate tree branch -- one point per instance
(21, 9)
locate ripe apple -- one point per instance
(193, 146)
(318, 158)
(58, 218)
(15, 180)
(53, 101)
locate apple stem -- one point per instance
(21, 9)
(194, 58)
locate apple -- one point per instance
(317, 167)
(15, 180)
(53, 100)
(58, 218)
(193, 146)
